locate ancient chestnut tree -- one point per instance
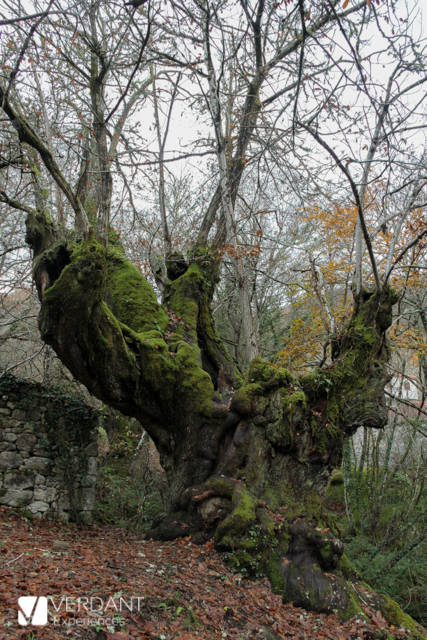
(241, 455)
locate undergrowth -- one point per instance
(125, 502)
(130, 483)
(388, 548)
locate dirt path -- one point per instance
(129, 588)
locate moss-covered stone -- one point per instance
(398, 618)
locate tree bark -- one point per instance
(246, 467)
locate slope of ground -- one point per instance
(177, 590)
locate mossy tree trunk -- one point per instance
(247, 461)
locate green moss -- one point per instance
(184, 296)
(353, 607)
(130, 297)
(305, 503)
(174, 341)
(325, 435)
(190, 297)
(261, 405)
(267, 375)
(238, 378)
(87, 266)
(249, 544)
(326, 551)
(252, 551)
(395, 616)
(241, 560)
(275, 561)
(208, 265)
(195, 383)
(222, 485)
(27, 514)
(287, 411)
(337, 478)
(297, 403)
(346, 567)
(347, 388)
(241, 517)
(125, 332)
(266, 524)
(244, 399)
(262, 379)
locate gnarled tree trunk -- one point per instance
(247, 461)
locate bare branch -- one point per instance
(356, 197)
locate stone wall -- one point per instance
(48, 451)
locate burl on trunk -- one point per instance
(247, 461)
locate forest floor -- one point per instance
(176, 590)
